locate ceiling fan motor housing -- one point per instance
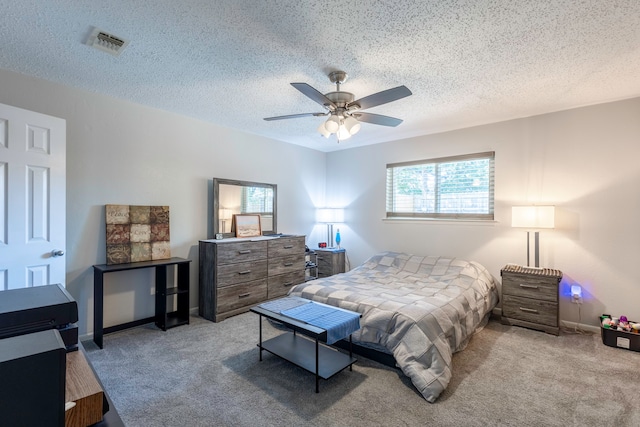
(341, 100)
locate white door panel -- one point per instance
(32, 198)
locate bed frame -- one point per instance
(375, 355)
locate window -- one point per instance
(257, 200)
(459, 187)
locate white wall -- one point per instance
(123, 153)
(584, 161)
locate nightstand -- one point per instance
(530, 297)
(330, 261)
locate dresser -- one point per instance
(330, 261)
(530, 297)
(236, 274)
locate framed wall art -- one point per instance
(137, 233)
(247, 225)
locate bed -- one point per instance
(419, 309)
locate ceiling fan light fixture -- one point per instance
(343, 133)
(323, 130)
(332, 124)
(352, 125)
(343, 120)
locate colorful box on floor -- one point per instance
(621, 339)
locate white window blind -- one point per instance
(257, 200)
(460, 187)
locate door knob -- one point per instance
(57, 252)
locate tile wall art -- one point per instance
(137, 233)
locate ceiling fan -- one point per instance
(344, 113)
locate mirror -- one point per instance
(232, 197)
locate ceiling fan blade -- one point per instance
(314, 94)
(294, 116)
(383, 97)
(377, 119)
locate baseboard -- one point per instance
(572, 326)
(89, 337)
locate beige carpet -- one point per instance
(208, 374)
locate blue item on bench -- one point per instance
(337, 322)
(279, 305)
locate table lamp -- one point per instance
(225, 215)
(533, 217)
(330, 216)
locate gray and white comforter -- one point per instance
(422, 309)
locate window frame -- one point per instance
(459, 216)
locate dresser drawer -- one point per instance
(528, 286)
(330, 263)
(242, 295)
(279, 286)
(285, 246)
(286, 264)
(241, 252)
(231, 274)
(530, 310)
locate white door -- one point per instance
(32, 198)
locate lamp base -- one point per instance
(536, 248)
(330, 235)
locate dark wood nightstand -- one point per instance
(330, 261)
(530, 297)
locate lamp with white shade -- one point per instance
(225, 215)
(533, 218)
(330, 216)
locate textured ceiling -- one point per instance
(230, 62)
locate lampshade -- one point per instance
(323, 130)
(343, 125)
(343, 133)
(332, 124)
(330, 215)
(533, 216)
(225, 214)
(352, 125)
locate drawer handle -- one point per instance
(288, 264)
(244, 295)
(529, 310)
(288, 284)
(244, 272)
(288, 246)
(244, 252)
(524, 285)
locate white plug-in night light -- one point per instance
(576, 292)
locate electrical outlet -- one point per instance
(576, 299)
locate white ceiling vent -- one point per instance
(107, 42)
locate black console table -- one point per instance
(162, 319)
